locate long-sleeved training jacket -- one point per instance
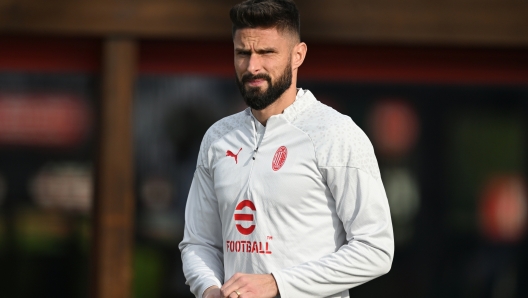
(300, 198)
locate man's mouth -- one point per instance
(255, 82)
(258, 80)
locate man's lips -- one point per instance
(255, 82)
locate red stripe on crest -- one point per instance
(248, 217)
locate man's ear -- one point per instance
(298, 55)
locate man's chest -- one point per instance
(279, 169)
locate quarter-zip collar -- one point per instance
(303, 99)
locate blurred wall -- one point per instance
(440, 88)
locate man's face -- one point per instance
(263, 65)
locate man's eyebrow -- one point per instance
(258, 51)
(266, 50)
(242, 50)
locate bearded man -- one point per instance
(287, 198)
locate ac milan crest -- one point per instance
(280, 158)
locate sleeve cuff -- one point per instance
(207, 286)
(281, 287)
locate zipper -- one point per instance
(257, 143)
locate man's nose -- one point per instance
(254, 64)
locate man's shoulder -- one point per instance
(324, 123)
(221, 128)
(337, 139)
(225, 125)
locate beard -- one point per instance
(257, 99)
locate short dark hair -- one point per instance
(280, 14)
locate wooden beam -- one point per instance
(438, 22)
(144, 18)
(114, 196)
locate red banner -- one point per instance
(43, 120)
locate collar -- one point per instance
(303, 99)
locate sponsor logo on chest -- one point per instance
(245, 224)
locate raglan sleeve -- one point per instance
(201, 247)
(362, 207)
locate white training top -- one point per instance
(300, 198)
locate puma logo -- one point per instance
(235, 156)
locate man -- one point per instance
(287, 198)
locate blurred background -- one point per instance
(103, 105)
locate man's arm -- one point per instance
(362, 206)
(201, 248)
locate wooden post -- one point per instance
(113, 217)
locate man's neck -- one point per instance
(286, 99)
